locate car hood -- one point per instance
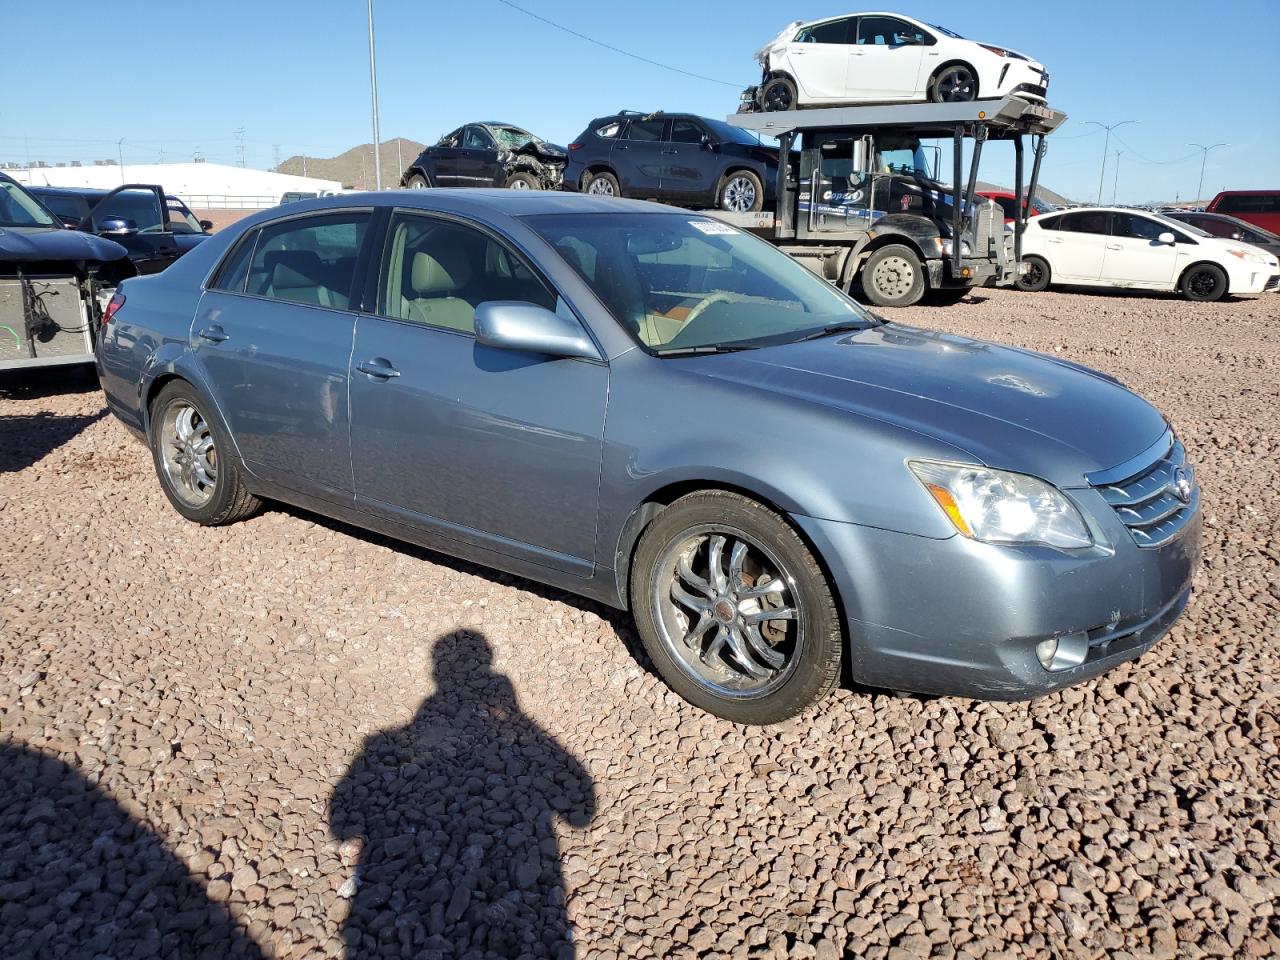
(29, 244)
(1015, 54)
(544, 151)
(784, 35)
(1008, 408)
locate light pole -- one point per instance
(1204, 156)
(120, 156)
(1106, 144)
(1116, 182)
(373, 84)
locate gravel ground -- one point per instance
(289, 738)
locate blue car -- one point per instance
(653, 409)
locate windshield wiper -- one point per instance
(695, 351)
(844, 326)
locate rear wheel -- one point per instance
(741, 192)
(417, 181)
(1204, 282)
(602, 185)
(778, 94)
(957, 83)
(523, 181)
(893, 276)
(1037, 276)
(734, 610)
(199, 474)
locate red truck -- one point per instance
(1259, 207)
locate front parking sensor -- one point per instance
(1063, 653)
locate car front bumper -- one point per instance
(1020, 78)
(964, 618)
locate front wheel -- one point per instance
(893, 276)
(1037, 276)
(417, 182)
(955, 84)
(734, 610)
(523, 181)
(1205, 283)
(741, 192)
(197, 471)
(778, 94)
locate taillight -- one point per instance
(113, 307)
(575, 146)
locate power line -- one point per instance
(1162, 163)
(607, 46)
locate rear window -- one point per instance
(1249, 203)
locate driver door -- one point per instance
(835, 186)
(1136, 255)
(478, 160)
(887, 59)
(149, 240)
(820, 57)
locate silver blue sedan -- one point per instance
(650, 408)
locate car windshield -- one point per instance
(182, 220)
(730, 133)
(950, 33)
(20, 209)
(683, 282)
(513, 138)
(1181, 225)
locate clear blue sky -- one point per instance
(175, 77)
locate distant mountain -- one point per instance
(354, 169)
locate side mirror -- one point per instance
(1166, 237)
(707, 143)
(117, 227)
(514, 325)
(206, 225)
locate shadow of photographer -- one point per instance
(456, 813)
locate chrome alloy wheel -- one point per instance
(739, 195)
(728, 613)
(893, 277)
(519, 185)
(188, 453)
(600, 187)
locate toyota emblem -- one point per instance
(1182, 484)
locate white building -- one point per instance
(202, 185)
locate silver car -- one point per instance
(655, 410)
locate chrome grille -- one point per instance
(984, 229)
(1158, 501)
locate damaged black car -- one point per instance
(54, 283)
(488, 154)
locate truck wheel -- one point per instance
(955, 84)
(893, 276)
(1204, 282)
(778, 94)
(740, 192)
(523, 181)
(602, 185)
(734, 610)
(1037, 276)
(417, 182)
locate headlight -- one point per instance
(1247, 256)
(945, 247)
(996, 506)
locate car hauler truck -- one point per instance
(865, 208)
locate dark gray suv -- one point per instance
(656, 410)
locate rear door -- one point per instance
(478, 161)
(690, 168)
(274, 339)
(148, 238)
(1135, 254)
(638, 157)
(446, 160)
(1077, 246)
(886, 59)
(820, 56)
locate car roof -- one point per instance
(71, 191)
(1248, 193)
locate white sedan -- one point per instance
(1110, 247)
(886, 57)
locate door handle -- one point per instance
(670, 153)
(1055, 240)
(1114, 246)
(214, 334)
(378, 368)
(620, 146)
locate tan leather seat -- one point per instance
(434, 282)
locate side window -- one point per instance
(888, 31)
(450, 139)
(686, 131)
(648, 130)
(436, 272)
(235, 268)
(1049, 223)
(476, 138)
(141, 206)
(1085, 221)
(63, 206)
(1216, 228)
(309, 260)
(1137, 228)
(833, 31)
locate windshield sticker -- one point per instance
(712, 227)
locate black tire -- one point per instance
(947, 296)
(740, 191)
(1037, 276)
(417, 181)
(957, 83)
(778, 94)
(229, 500)
(523, 180)
(602, 184)
(893, 276)
(812, 668)
(1204, 283)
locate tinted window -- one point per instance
(1137, 228)
(1250, 203)
(1084, 221)
(140, 206)
(1049, 223)
(1213, 226)
(309, 260)
(235, 268)
(436, 272)
(833, 31)
(1008, 206)
(686, 131)
(645, 129)
(476, 138)
(19, 209)
(888, 31)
